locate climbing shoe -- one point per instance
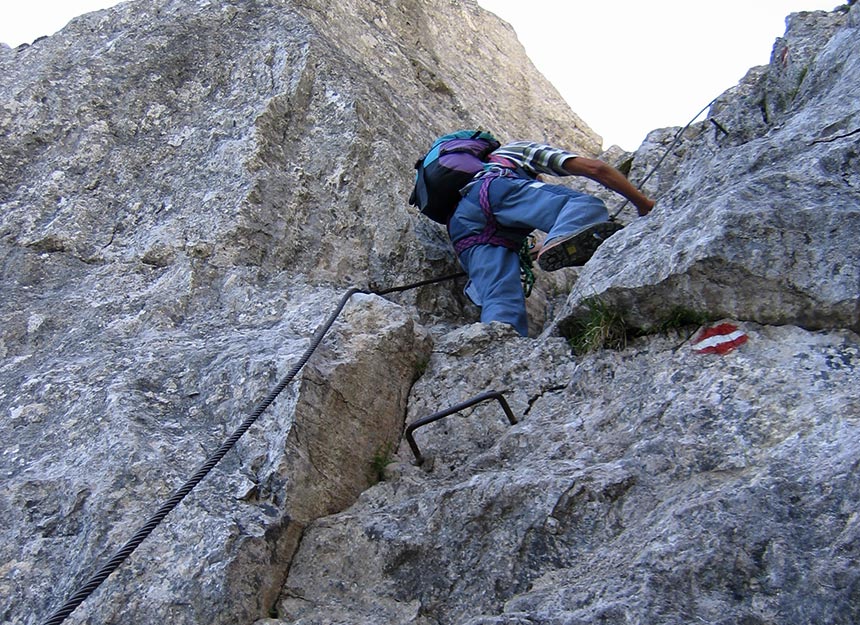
(574, 250)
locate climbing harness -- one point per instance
(149, 526)
(489, 235)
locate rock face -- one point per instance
(187, 190)
(759, 211)
(651, 485)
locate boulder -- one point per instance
(654, 484)
(758, 207)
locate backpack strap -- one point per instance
(488, 236)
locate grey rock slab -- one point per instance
(650, 485)
(760, 224)
(133, 429)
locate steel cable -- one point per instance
(675, 140)
(153, 522)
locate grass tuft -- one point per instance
(381, 459)
(601, 327)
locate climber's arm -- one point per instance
(610, 178)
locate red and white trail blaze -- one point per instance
(720, 339)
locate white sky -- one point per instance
(625, 66)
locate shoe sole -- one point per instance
(576, 249)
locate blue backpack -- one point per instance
(449, 165)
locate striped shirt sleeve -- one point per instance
(536, 158)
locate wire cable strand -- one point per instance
(88, 588)
(665, 154)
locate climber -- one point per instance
(506, 201)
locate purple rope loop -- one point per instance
(488, 235)
(484, 196)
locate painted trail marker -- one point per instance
(720, 339)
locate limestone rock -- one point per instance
(186, 190)
(255, 132)
(650, 485)
(761, 223)
(131, 426)
(362, 378)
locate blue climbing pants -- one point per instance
(519, 205)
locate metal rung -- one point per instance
(419, 459)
